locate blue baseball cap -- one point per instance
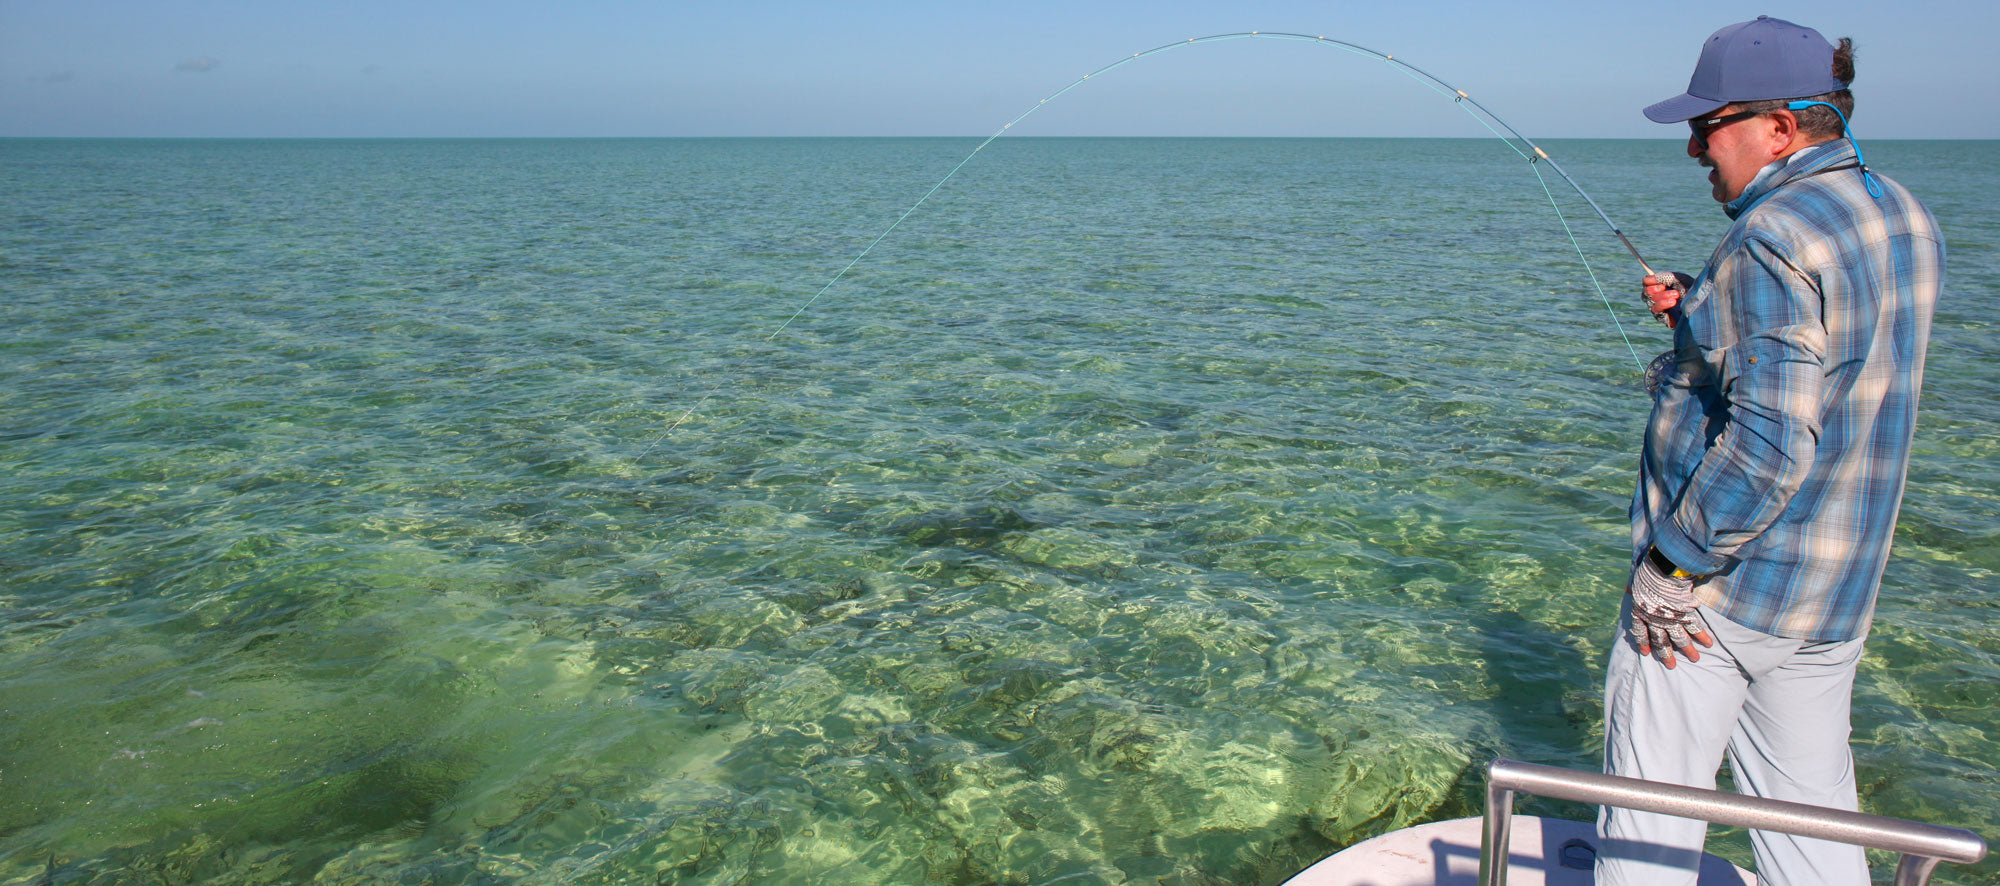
(1764, 58)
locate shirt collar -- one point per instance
(1774, 176)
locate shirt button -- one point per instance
(1753, 360)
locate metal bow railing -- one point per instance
(1923, 845)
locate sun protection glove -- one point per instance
(1663, 612)
(1662, 291)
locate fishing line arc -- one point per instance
(1534, 154)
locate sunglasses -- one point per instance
(1701, 128)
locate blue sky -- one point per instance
(432, 68)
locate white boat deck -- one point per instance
(1541, 852)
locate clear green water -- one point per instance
(1146, 511)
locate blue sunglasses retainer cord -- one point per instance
(1874, 189)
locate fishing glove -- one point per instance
(1674, 285)
(1663, 612)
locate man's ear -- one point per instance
(1784, 131)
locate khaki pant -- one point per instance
(1778, 707)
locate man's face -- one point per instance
(1736, 150)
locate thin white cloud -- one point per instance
(199, 65)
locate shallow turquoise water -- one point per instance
(1141, 511)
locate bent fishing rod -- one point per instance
(1505, 131)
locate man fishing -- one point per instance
(1774, 459)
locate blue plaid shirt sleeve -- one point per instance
(1772, 380)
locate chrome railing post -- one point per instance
(1915, 870)
(1496, 832)
(1922, 845)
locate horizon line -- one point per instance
(1661, 138)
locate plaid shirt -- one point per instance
(1776, 451)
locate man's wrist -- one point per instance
(1667, 567)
